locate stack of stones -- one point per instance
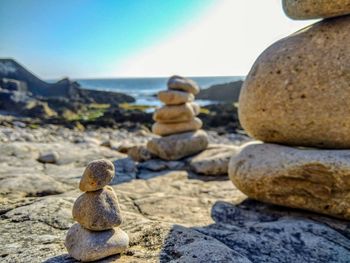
(96, 235)
(177, 123)
(298, 94)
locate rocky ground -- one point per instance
(170, 215)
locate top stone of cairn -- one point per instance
(97, 174)
(184, 84)
(310, 9)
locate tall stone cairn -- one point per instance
(298, 94)
(96, 234)
(177, 123)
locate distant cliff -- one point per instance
(228, 92)
(10, 69)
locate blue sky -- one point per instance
(107, 38)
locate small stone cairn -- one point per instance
(96, 235)
(177, 123)
(298, 94)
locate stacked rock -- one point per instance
(298, 94)
(96, 235)
(177, 122)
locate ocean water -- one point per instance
(144, 89)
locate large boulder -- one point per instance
(177, 146)
(298, 90)
(310, 9)
(316, 180)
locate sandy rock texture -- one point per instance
(164, 129)
(177, 146)
(316, 180)
(310, 9)
(98, 210)
(298, 92)
(174, 97)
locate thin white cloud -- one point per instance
(226, 40)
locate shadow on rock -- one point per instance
(257, 232)
(65, 258)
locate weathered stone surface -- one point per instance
(85, 245)
(159, 165)
(139, 153)
(97, 174)
(310, 9)
(48, 157)
(98, 210)
(164, 129)
(214, 160)
(316, 180)
(174, 97)
(297, 92)
(176, 113)
(185, 84)
(175, 147)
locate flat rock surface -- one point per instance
(170, 216)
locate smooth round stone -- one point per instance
(298, 91)
(213, 161)
(184, 84)
(164, 129)
(97, 174)
(176, 113)
(310, 9)
(98, 210)
(85, 245)
(311, 179)
(174, 97)
(178, 146)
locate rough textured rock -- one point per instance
(97, 174)
(310, 9)
(298, 92)
(176, 113)
(174, 97)
(214, 160)
(177, 146)
(85, 245)
(164, 129)
(316, 180)
(139, 153)
(184, 84)
(98, 210)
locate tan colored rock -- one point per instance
(164, 129)
(97, 174)
(310, 9)
(176, 113)
(298, 91)
(98, 210)
(316, 180)
(175, 97)
(214, 160)
(196, 108)
(177, 146)
(139, 153)
(85, 245)
(184, 84)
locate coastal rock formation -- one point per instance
(297, 92)
(177, 146)
(96, 210)
(97, 174)
(316, 180)
(178, 123)
(310, 9)
(213, 161)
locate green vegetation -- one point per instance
(128, 106)
(90, 113)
